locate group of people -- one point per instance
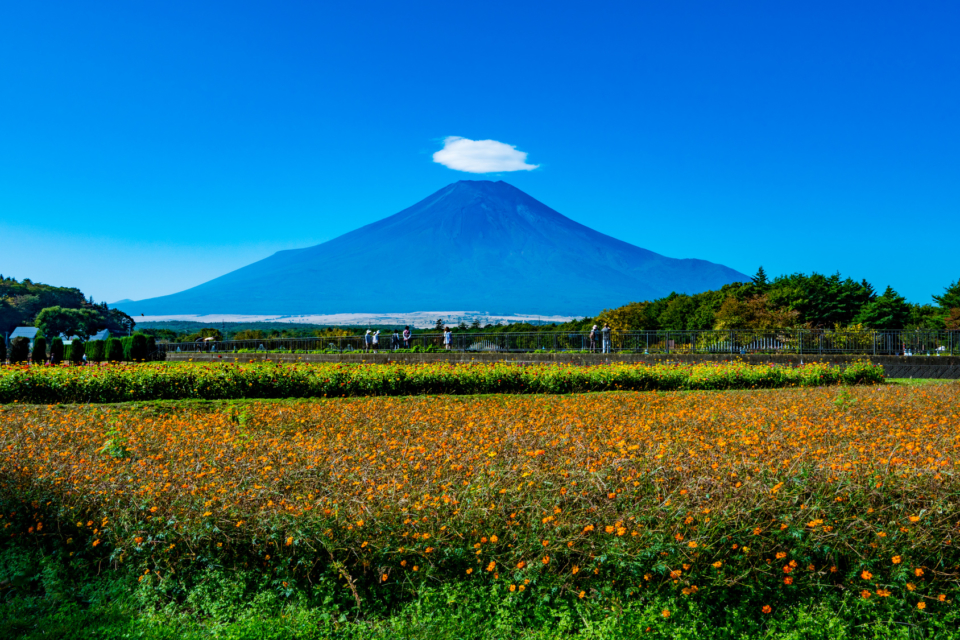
(400, 340)
(371, 339)
(603, 334)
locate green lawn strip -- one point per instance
(46, 597)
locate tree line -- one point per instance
(56, 310)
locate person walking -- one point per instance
(447, 338)
(406, 337)
(606, 338)
(593, 339)
(367, 341)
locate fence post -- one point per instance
(731, 342)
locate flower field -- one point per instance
(756, 497)
(158, 381)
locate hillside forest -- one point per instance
(56, 310)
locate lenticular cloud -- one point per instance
(481, 156)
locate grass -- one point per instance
(921, 381)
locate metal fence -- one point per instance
(643, 342)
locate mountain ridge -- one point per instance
(472, 244)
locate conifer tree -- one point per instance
(39, 349)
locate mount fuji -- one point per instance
(477, 245)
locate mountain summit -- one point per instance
(473, 245)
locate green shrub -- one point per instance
(39, 350)
(96, 350)
(77, 349)
(122, 383)
(56, 351)
(19, 350)
(138, 348)
(3, 352)
(114, 350)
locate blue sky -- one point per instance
(149, 147)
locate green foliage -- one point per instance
(814, 301)
(206, 332)
(77, 350)
(60, 598)
(56, 351)
(39, 355)
(3, 351)
(19, 350)
(96, 350)
(888, 312)
(213, 381)
(24, 300)
(54, 321)
(138, 348)
(950, 298)
(114, 350)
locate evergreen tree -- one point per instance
(39, 349)
(19, 350)
(77, 349)
(950, 298)
(760, 280)
(889, 312)
(138, 347)
(439, 325)
(113, 350)
(56, 351)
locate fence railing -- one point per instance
(800, 341)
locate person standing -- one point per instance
(367, 341)
(376, 340)
(406, 337)
(606, 338)
(447, 338)
(593, 339)
(395, 339)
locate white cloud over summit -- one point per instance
(481, 156)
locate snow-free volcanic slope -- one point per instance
(473, 245)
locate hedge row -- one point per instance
(159, 381)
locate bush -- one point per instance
(114, 350)
(121, 383)
(3, 352)
(96, 350)
(39, 350)
(19, 350)
(56, 351)
(138, 348)
(77, 349)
